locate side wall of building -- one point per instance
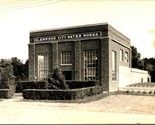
(117, 42)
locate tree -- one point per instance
(26, 70)
(136, 62)
(145, 63)
(20, 70)
(7, 79)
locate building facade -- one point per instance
(87, 52)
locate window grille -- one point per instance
(91, 65)
(66, 58)
(42, 66)
(114, 65)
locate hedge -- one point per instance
(81, 84)
(6, 93)
(30, 85)
(44, 85)
(73, 94)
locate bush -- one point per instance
(30, 85)
(44, 85)
(6, 93)
(56, 79)
(72, 94)
(33, 85)
(81, 84)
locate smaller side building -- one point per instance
(139, 76)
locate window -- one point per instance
(114, 65)
(90, 65)
(42, 66)
(66, 57)
(126, 57)
(121, 55)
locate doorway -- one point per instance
(68, 75)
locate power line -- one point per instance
(24, 4)
(17, 3)
(6, 2)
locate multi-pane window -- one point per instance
(90, 65)
(42, 66)
(126, 57)
(121, 55)
(114, 65)
(66, 57)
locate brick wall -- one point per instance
(116, 46)
(109, 40)
(31, 62)
(77, 60)
(105, 63)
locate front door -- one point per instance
(68, 75)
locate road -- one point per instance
(18, 111)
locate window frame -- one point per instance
(66, 58)
(90, 66)
(114, 65)
(121, 55)
(126, 57)
(44, 67)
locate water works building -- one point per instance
(87, 52)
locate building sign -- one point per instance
(66, 37)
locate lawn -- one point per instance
(109, 102)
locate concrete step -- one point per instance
(139, 90)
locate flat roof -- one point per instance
(77, 28)
(70, 27)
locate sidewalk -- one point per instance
(53, 115)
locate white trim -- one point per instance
(65, 64)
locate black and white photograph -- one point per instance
(77, 61)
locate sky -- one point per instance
(133, 18)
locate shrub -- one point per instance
(33, 85)
(72, 94)
(81, 84)
(30, 85)
(6, 93)
(56, 79)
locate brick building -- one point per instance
(87, 52)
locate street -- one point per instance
(19, 111)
